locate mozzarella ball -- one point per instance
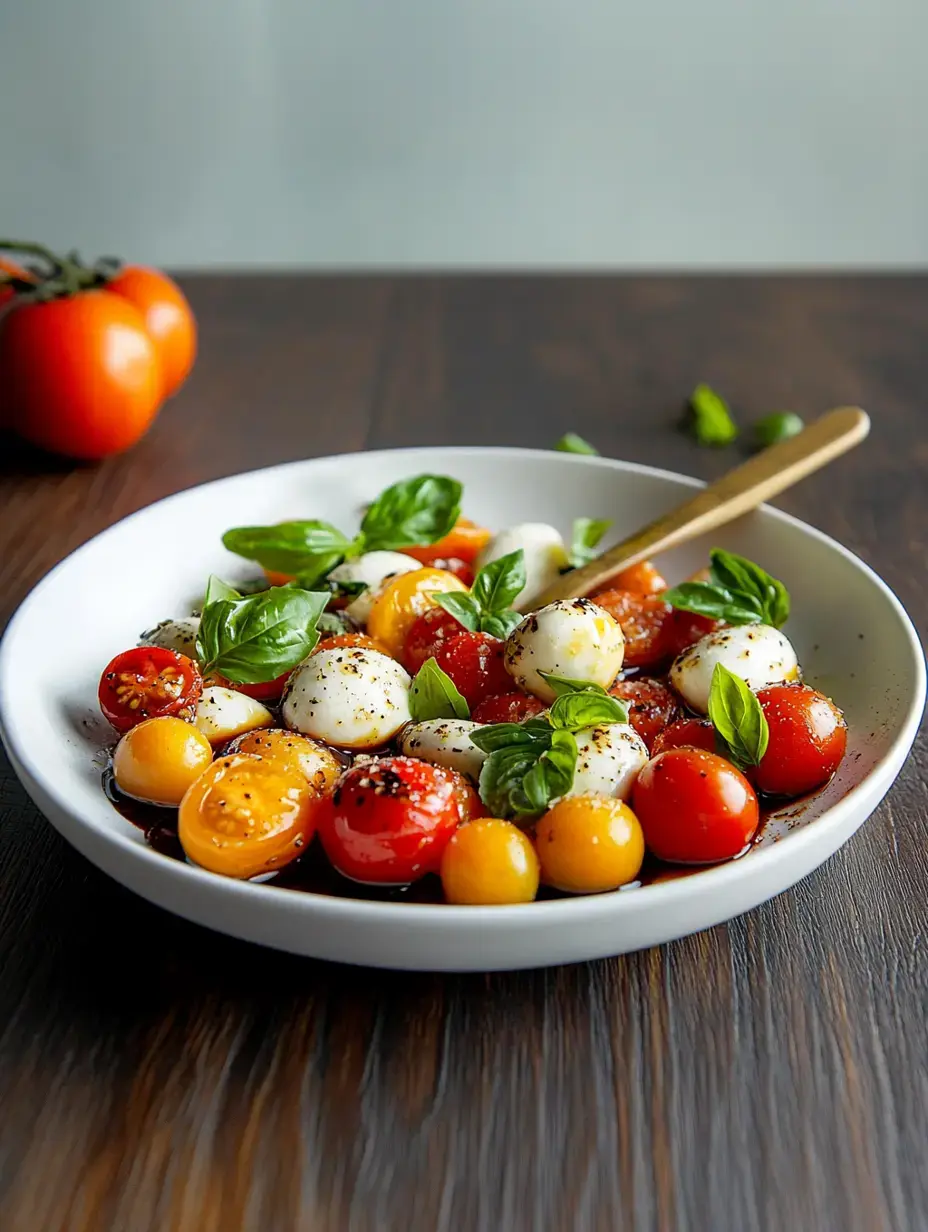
(180, 635)
(224, 713)
(609, 759)
(351, 697)
(572, 637)
(373, 568)
(544, 552)
(759, 654)
(445, 742)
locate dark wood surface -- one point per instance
(770, 1074)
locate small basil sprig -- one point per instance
(585, 537)
(738, 718)
(486, 608)
(414, 511)
(738, 592)
(434, 695)
(779, 426)
(251, 639)
(709, 419)
(570, 442)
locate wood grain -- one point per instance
(769, 1074)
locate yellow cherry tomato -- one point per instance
(489, 861)
(159, 758)
(589, 843)
(318, 764)
(244, 815)
(402, 601)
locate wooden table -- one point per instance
(770, 1074)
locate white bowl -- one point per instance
(853, 638)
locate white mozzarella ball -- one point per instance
(180, 635)
(350, 697)
(544, 552)
(572, 637)
(445, 742)
(759, 654)
(373, 568)
(609, 759)
(224, 713)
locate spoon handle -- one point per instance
(740, 490)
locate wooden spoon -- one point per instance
(747, 486)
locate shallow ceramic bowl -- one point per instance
(853, 638)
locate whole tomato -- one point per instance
(167, 316)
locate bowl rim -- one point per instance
(615, 903)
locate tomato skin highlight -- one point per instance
(427, 635)
(474, 661)
(168, 320)
(389, 821)
(808, 739)
(80, 376)
(645, 621)
(694, 807)
(513, 707)
(148, 682)
(686, 734)
(651, 706)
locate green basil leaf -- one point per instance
(308, 550)
(575, 711)
(332, 623)
(779, 426)
(339, 590)
(259, 637)
(562, 685)
(552, 775)
(570, 442)
(412, 512)
(462, 607)
(716, 602)
(434, 695)
(502, 779)
(500, 582)
(216, 588)
(737, 717)
(493, 736)
(500, 624)
(709, 418)
(587, 532)
(747, 581)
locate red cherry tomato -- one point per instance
(686, 734)
(427, 634)
(686, 628)
(808, 738)
(147, 683)
(267, 691)
(474, 661)
(694, 807)
(651, 706)
(645, 621)
(389, 821)
(453, 564)
(470, 806)
(507, 708)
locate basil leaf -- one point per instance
(500, 624)
(332, 623)
(737, 717)
(500, 582)
(462, 607)
(706, 599)
(575, 711)
(552, 775)
(434, 695)
(748, 581)
(259, 637)
(562, 685)
(570, 442)
(216, 588)
(308, 550)
(709, 418)
(412, 512)
(340, 590)
(502, 779)
(779, 426)
(585, 538)
(493, 736)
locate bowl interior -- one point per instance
(853, 639)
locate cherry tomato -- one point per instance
(266, 691)
(686, 628)
(464, 541)
(640, 579)
(694, 807)
(808, 738)
(167, 318)
(318, 764)
(390, 820)
(461, 569)
(651, 706)
(507, 708)
(474, 661)
(344, 641)
(147, 682)
(645, 621)
(245, 815)
(402, 600)
(79, 375)
(489, 861)
(158, 759)
(686, 734)
(589, 843)
(470, 806)
(427, 635)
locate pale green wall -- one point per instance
(538, 132)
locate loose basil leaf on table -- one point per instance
(738, 592)
(709, 419)
(779, 426)
(251, 639)
(738, 718)
(585, 538)
(434, 695)
(570, 442)
(486, 607)
(413, 512)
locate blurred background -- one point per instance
(592, 133)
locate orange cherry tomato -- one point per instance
(344, 641)
(645, 621)
(464, 542)
(318, 764)
(168, 320)
(159, 759)
(589, 843)
(245, 816)
(489, 862)
(641, 579)
(402, 600)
